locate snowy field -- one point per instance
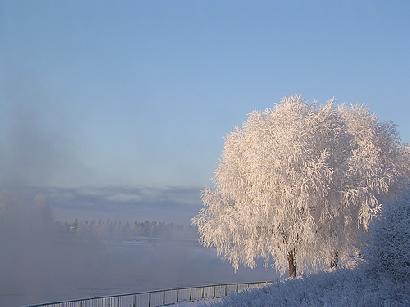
(382, 279)
(203, 303)
(338, 289)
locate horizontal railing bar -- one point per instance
(45, 304)
(149, 292)
(193, 287)
(85, 299)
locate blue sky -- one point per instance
(142, 93)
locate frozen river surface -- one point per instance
(85, 269)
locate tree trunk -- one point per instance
(292, 264)
(335, 260)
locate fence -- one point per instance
(160, 297)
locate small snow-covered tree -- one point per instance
(388, 250)
(297, 183)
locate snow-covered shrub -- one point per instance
(388, 253)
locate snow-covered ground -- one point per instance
(202, 303)
(343, 288)
(382, 279)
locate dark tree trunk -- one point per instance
(292, 264)
(335, 260)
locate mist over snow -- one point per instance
(41, 261)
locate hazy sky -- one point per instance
(142, 93)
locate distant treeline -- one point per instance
(112, 229)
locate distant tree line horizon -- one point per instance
(118, 229)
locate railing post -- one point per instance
(177, 295)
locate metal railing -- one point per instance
(160, 297)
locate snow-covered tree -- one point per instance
(297, 183)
